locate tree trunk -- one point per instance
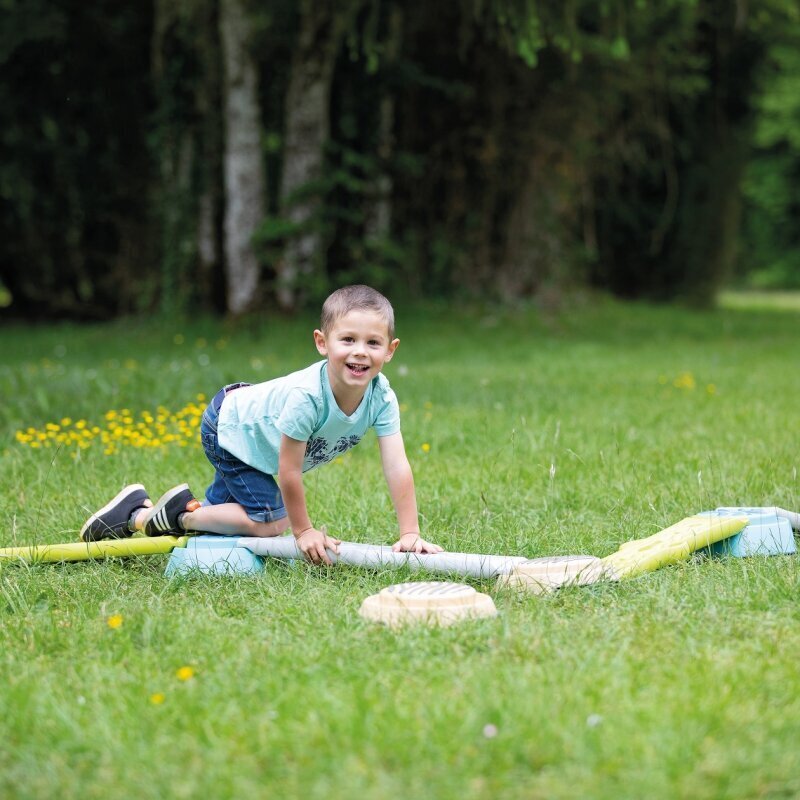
(242, 163)
(378, 217)
(307, 128)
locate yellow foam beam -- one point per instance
(669, 546)
(86, 551)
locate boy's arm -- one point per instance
(400, 481)
(311, 541)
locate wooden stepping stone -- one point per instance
(428, 602)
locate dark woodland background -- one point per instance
(230, 155)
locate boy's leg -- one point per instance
(241, 500)
(177, 511)
(230, 519)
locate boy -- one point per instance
(284, 427)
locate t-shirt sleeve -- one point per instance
(298, 417)
(387, 417)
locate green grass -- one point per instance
(761, 300)
(548, 434)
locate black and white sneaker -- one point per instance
(111, 521)
(162, 518)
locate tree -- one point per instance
(771, 243)
(669, 225)
(185, 145)
(306, 131)
(243, 165)
(75, 176)
(493, 149)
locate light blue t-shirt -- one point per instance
(301, 405)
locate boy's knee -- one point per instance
(275, 528)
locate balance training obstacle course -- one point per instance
(732, 531)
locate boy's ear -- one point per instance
(392, 347)
(319, 341)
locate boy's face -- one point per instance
(357, 347)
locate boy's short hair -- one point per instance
(356, 298)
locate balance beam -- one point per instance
(370, 556)
(88, 551)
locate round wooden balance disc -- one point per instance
(542, 575)
(430, 602)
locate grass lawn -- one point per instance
(529, 435)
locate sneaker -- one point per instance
(111, 521)
(162, 518)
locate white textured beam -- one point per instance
(372, 556)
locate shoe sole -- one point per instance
(134, 487)
(160, 505)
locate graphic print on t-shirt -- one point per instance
(318, 452)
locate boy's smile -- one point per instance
(357, 347)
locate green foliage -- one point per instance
(73, 193)
(771, 254)
(184, 143)
(485, 147)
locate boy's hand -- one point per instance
(414, 543)
(313, 544)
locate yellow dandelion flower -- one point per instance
(426, 448)
(66, 421)
(185, 673)
(711, 388)
(684, 381)
(114, 621)
(157, 698)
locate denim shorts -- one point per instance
(235, 481)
